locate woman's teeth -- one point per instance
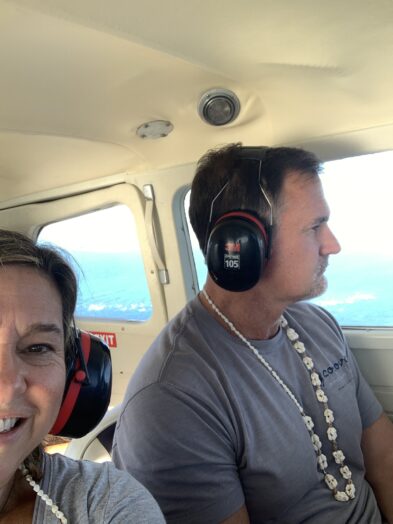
(6, 424)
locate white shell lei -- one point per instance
(48, 501)
(338, 455)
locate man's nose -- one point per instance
(330, 245)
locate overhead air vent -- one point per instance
(218, 106)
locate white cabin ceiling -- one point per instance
(79, 76)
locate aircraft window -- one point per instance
(359, 192)
(105, 245)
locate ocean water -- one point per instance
(112, 285)
(360, 290)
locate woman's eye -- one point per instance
(41, 354)
(39, 348)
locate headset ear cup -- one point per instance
(236, 251)
(88, 388)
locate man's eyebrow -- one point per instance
(321, 220)
(40, 327)
(316, 222)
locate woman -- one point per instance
(37, 300)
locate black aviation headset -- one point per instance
(238, 243)
(88, 386)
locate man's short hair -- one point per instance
(227, 164)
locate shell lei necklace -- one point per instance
(48, 501)
(338, 455)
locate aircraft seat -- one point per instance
(96, 445)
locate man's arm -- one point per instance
(377, 446)
(240, 517)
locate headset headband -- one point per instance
(80, 377)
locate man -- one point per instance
(229, 417)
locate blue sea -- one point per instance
(112, 285)
(360, 291)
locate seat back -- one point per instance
(96, 445)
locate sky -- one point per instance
(109, 230)
(359, 191)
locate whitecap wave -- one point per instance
(351, 299)
(96, 307)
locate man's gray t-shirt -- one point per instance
(206, 428)
(90, 493)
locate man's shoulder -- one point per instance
(179, 325)
(312, 321)
(181, 340)
(318, 329)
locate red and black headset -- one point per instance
(88, 386)
(238, 243)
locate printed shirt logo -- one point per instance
(332, 369)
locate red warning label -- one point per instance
(108, 338)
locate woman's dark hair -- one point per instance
(16, 248)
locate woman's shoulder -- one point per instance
(86, 470)
(99, 488)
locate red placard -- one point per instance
(108, 338)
